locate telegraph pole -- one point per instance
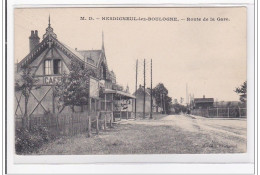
(151, 114)
(161, 102)
(144, 92)
(187, 97)
(164, 108)
(136, 84)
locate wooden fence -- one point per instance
(221, 112)
(69, 124)
(123, 115)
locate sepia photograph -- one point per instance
(120, 81)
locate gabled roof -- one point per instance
(73, 51)
(140, 91)
(34, 53)
(44, 45)
(49, 39)
(122, 93)
(91, 56)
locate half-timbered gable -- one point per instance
(48, 60)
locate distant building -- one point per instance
(203, 103)
(140, 100)
(228, 104)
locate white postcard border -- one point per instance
(242, 163)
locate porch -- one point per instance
(119, 103)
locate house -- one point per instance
(139, 94)
(48, 59)
(203, 103)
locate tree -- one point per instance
(25, 83)
(178, 108)
(242, 91)
(73, 89)
(168, 103)
(162, 99)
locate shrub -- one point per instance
(28, 141)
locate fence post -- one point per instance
(57, 125)
(68, 123)
(111, 118)
(217, 112)
(239, 111)
(113, 108)
(65, 125)
(97, 127)
(208, 112)
(29, 123)
(72, 126)
(228, 112)
(23, 122)
(95, 105)
(79, 122)
(90, 101)
(89, 125)
(105, 121)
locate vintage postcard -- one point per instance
(117, 81)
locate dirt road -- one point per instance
(178, 134)
(232, 131)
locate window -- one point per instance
(56, 66)
(103, 71)
(47, 67)
(52, 66)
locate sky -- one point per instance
(209, 57)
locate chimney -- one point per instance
(34, 39)
(36, 33)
